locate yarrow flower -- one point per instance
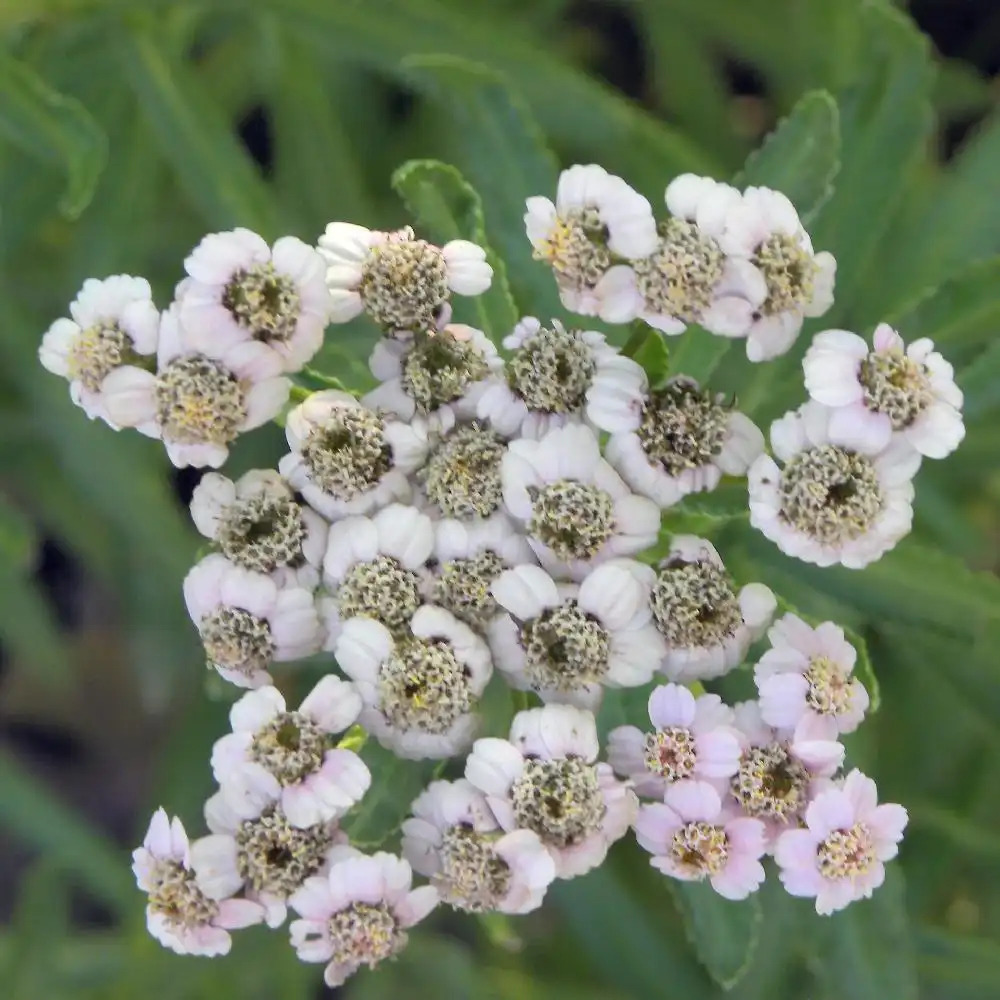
(545, 778)
(357, 913)
(114, 325)
(401, 282)
(890, 390)
(829, 503)
(840, 855)
(454, 839)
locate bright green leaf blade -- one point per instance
(654, 357)
(438, 195)
(53, 128)
(698, 353)
(723, 933)
(801, 157)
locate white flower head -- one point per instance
(707, 625)
(830, 503)
(576, 509)
(347, 458)
(675, 440)
(764, 230)
(197, 403)
(373, 568)
(454, 839)
(469, 557)
(292, 757)
(186, 913)
(567, 642)
(114, 324)
(258, 523)
(807, 673)
(254, 847)
(888, 390)
(461, 477)
(547, 381)
(546, 778)
(596, 222)
(242, 291)
(439, 376)
(401, 282)
(247, 622)
(692, 740)
(420, 690)
(357, 913)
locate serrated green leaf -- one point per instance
(723, 933)
(53, 128)
(438, 195)
(801, 157)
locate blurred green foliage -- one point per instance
(119, 149)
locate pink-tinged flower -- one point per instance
(692, 837)
(807, 673)
(184, 913)
(829, 503)
(292, 756)
(197, 402)
(358, 913)
(888, 390)
(242, 291)
(115, 324)
(546, 778)
(247, 622)
(840, 856)
(568, 642)
(454, 839)
(692, 740)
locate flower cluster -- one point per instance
(479, 514)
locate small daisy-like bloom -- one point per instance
(764, 230)
(807, 673)
(546, 778)
(185, 914)
(566, 642)
(692, 740)
(780, 772)
(454, 839)
(240, 290)
(470, 557)
(347, 458)
(829, 503)
(401, 282)
(891, 389)
(292, 757)
(675, 440)
(596, 221)
(253, 846)
(548, 379)
(114, 324)
(372, 568)
(247, 622)
(421, 689)
(840, 856)
(707, 625)
(198, 404)
(440, 376)
(692, 836)
(259, 524)
(461, 477)
(358, 913)
(576, 509)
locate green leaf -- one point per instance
(52, 128)
(503, 155)
(724, 933)
(654, 357)
(867, 952)
(960, 832)
(980, 381)
(708, 513)
(39, 927)
(698, 354)
(438, 195)
(864, 670)
(801, 157)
